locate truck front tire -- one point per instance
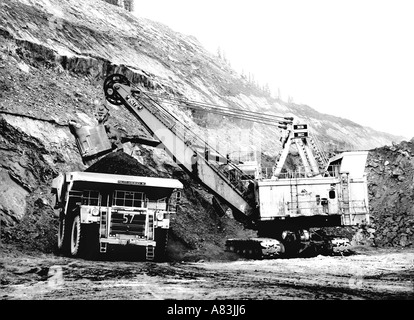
(84, 238)
(63, 234)
(75, 236)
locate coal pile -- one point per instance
(121, 163)
(391, 194)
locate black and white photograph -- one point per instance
(209, 158)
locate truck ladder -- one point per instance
(346, 216)
(294, 196)
(179, 142)
(149, 252)
(104, 223)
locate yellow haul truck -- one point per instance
(97, 211)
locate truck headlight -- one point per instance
(95, 211)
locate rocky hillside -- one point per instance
(54, 56)
(93, 39)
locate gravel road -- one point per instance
(370, 274)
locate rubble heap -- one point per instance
(391, 194)
(121, 163)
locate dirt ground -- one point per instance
(369, 274)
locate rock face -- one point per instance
(391, 193)
(26, 167)
(23, 170)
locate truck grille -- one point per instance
(128, 223)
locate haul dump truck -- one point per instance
(98, 210)
(284, 207)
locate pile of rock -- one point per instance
(391, 194)
(122, 163)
